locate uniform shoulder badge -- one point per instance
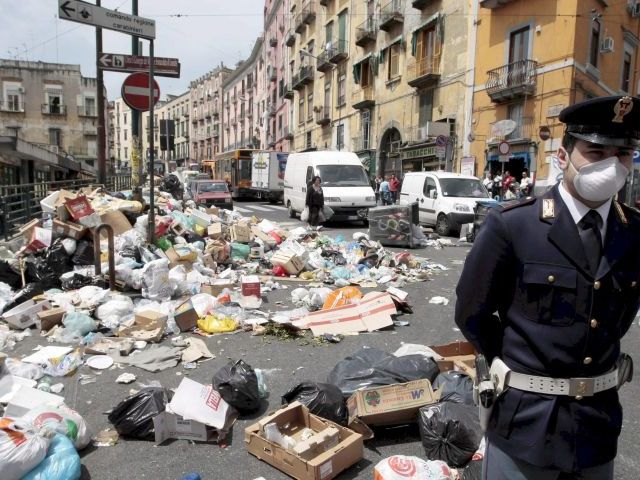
(624, 211)
(511, 204)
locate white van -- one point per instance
(345, 183)
(446, 200)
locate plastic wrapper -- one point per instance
(133, 417)
(155, 280)
(92, 296)
(450, 432)
(63, 420)
(237, 383)
(79, 323)
(304, 216)
(322, 399)
(113, 311)
(401, 467)
(217, 324)
(454, 387)
(64, 365)
(370, 367)
(24, 370)
(342, 296)
(22, 447)
(62, 462)
(6, 296)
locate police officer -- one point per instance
(563, 287)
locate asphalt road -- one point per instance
(290, 362)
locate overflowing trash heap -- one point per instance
(104, 295)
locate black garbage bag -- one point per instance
(57, 258)
(133, 417)
(37, 270)
(454, 387)
(237, 383)
(76, 281)
(473, 471)
(370, 367)
(26, 293)
(9, 276)
(450, 432)
(322, 399)
(130, 252)
(84, 253)
(191, 237)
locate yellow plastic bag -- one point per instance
(200, 230)
(214, 324)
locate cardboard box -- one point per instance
(213, 211)
(215, 230)
(288, 260)
(50, 318)
(268, 240)
(199, 218)
(180, 255)
(149, 325)
(118, 221)
(27, 229)
(79, 207)
(186, 316)
(24, 315)
(317, 444)
(40, 238)
(216, 286)
(251, 286)
(240, 233)
(68, 229)
(170, 425)
(389, 405)
(178, 228)
(208, 261)
(373, 312)
(292, 420)
(195, 401)
(458, 356)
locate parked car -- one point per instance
(212, 193)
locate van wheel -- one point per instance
(292, 212)
(442, 225)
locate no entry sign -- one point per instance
(135, 91)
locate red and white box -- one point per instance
(40, 238)
(251, 286)
(79, 207)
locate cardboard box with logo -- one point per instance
(324, 457)
(389, 405)
(251, 286)
(40, 238)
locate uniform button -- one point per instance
(551, 278)
(587, 360)
(634, 284)
(596, 285)
(578, 397)
(593, 323)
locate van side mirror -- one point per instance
(433, 194)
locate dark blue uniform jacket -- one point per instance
(527, 295)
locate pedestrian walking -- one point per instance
(394, 185)
(377, 188)
(562, 288)
(385, 192)
(315, 201)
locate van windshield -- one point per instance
(463, 187)
(343, 176)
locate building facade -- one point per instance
(528, 68)
(48, 122)
(119, 137)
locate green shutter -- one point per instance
(414, 42)
(357, 70)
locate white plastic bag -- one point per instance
(112, 312)
(401, 467)
(328, 212)
(24, 370)
(155, 280)
(61, 419)
(304, 216)
(22, 447)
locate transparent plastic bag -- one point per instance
(155, 280)
(79, 323)
(113, 311)
(304, 216)
(63, 420)
(24, 370)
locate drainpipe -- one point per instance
(470, 80)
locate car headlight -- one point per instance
(461, 207)
(333, 199)
(370, 199)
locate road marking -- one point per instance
(241, 210)
(277, 207)
(260, 209)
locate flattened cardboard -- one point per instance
(169, 425)
(268, 240)
(216, 286)
(148, 325)
(186, 316)
(118, 221)
(372, 313)
(27, 229)
(79, 207)
(291, 420)
(458, 356)
(389, 405)
(28, 398)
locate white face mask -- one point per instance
(601, 180)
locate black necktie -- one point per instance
(589, 231)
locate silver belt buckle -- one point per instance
(581, 387)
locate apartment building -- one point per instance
(119, 137)
(205, 115)
(48, 122)
(529, 67)
(246, 113)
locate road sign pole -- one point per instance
(102, 160)
(152, 215)
(136, 126)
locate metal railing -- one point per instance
(53, 109)
(513, 78)
(391, 11)
(87, 111)
(423, 68)
(366, 31)
(525, 129)
(323, 115)
(362, 96)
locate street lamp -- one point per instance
(306, 53)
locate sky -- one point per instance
(206, 33)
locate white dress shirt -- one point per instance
(579, 209)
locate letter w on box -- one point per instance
(373, 312)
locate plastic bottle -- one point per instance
(45, 383)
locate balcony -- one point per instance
(89, 131)
(271, 110)
(54, 109)
(420, 4)
(363, 98)
(290, 39)
(424, 72)
(271, 141)
(323, 115)
(302, 78)
(273, 41)
(322, 62)
(241, 117)
(391, 15)
(511, 81)
(308, 12)
(491, 4)
(215, 111)
(87, 111)
(324, 3)
(250, 114)
(366, 32)
(525, 131)
(11, 106)
(360, 143)
(287, 91)
(215, 133)
(232, 98)
(287, 133)
(272, 74)
(337, 50)
(298, 24)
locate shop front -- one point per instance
(420, 158)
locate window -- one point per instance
(328, 30)
(365, 121)
(342, 77)
(125, 118)
(393, 66)
(280, 125)
(301, 109)
(126, 153)
(425, 112)
(308, 139)
(125, 134)
(310, 106)
(626, 70)
(327, 92)
(340, 136)
(53, 95)
(55, 137)
(519, 45)
(594, 48)
(515, 112)
(429, 186)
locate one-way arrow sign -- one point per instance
(89, 14)
(163, 67)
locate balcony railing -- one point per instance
(494, 3)
(273, 41)
(87, 111)
(323, 115)
(513, 80)
(324, 3)
(303, 77)
(323, 64)
(420, 4)
(287, 132)
(272, 74)
(54, 109)
(366, 32)
(290, 39)
(337, 50)
(298, 24)
(271, 110)
(287, 91)
(308, 12)
(363, 98)
(424, 72)
(391, 14)
(360, 143)
(11, 106)
(525, 130)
